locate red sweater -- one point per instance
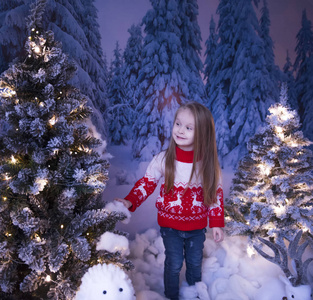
(180, 209)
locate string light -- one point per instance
(280, 210)
(4, 198)
(52, 121)
(37, 49)
(62, 226)
(265, 169)
(48, 278)
(13, 160)
(37, 237)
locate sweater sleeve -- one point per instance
(145, 186)
(216, 212)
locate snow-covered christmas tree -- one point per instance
(52, 174)
(271, 195)
(241, 88)
(304, 75)
(75, 25)
(119, 109)
(163, 79)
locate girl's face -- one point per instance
(184, 129)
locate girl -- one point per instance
(190, 193)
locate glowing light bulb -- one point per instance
(52, 121)
(48, 278)
(37, 237)
(13, 160)
(62, 226)
(265, 169)
(37, 49)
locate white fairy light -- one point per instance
(52, 121)
(265, 169)
(37, 49)
(48, 278)
(280, 210)
(13, 160)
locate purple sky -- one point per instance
(116, 16)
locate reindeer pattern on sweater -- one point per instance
(183, 207)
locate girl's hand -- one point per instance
(218, 234)
(126, 203)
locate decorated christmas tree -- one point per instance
(271, 194)
(52, 174)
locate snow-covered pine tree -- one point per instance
(304, 75)
(288, 77)
(119, 130)
(51, 176)
(273, 70)
(163, 79)
(74, 23)
(12, 30)
(132, 65)
(211, 45)
(271, 193)
(240, 73)
(191, 45)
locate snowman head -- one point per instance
(105, 282)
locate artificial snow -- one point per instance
(119, 207)
(112, 242)
(228, 271)
(107, 282)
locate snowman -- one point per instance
(105, 282)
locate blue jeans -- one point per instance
(180, 245)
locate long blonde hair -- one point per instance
(205, 152)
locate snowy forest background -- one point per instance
(134, 98)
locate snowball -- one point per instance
(112, 242)
(107, 282)
(119, 207)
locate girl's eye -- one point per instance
(189, 128)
